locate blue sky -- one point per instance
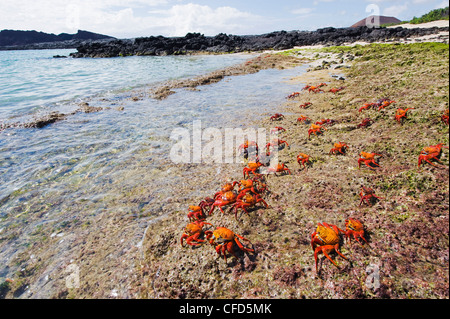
(136, 18)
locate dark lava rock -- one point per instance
(223, 43)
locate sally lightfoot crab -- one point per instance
(192, 233)
(326, 240)
(339, 148)
(430, 153)
(315, 129)
(247, 201)
(368, 196)
(354, 228)
(224, 241)
(368, 159)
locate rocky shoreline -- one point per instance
(194, 43)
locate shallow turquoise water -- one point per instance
(95, 164)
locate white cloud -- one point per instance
(302, 11)
(125, 18)
(181, 19)
(395, 11)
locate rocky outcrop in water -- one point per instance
(223, 43)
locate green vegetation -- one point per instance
(433, 15)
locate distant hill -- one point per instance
(371, 19)
(23, 38)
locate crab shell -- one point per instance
(326, 234)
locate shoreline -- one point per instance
(283, 266)
(327, 191)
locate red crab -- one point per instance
(228, 187)
(224, 239)
(303, 159)
(196, 213)
(354, 228)
(432, 152)
(305, 105)
(366, 122)
(254, 185)
(192, 233)
(384, 103)
(304, 119)
(315, 89)
(368, 159)
(335, 90)
(277, 117)
(252, 167)
(315, 129)
(367, 195)
(226, 199)
(326, 240)
(325, 122)
(339, 147)
(444, 117)
(276, 143)
(367, 106)
(247, 201)
(293, 95)
(401, 114)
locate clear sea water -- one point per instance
(89, 164)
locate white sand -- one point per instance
(439, 24)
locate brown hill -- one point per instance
(371, 19)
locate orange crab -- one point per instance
(304, 119)
(326, 240)
(384, 103)
(226, 199)
(432, 152)
(247, 201)
(303, 159)
(224, 239)
(315, 89)
(251, 185)
(277, 117)
(354, 228)
(226, 188)
(196, 213)
(339, 147)
(367, 195)
(401, 114)
(368, 159)
(252, 167)
(315, 129)
(192, 233)
(280, 168)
